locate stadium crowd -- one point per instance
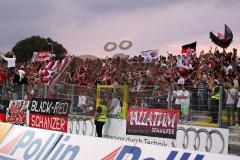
(197, 73)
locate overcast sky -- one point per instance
(84, 26)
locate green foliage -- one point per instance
(24, 49)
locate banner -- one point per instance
(17, 112)
(51, 114)
(56, 123)
(42, 56)
(149, 55)
(152, 122)
(50, 106)
(82, 125)
(5, 127)
(204, 139)
(32, 143)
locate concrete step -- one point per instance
(234, 139)
(234, 144)
(200, 118)
(204, 113)
(231, 134)
(234, 148)
(234, 129)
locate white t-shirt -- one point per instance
(228, 68)
(177, 94)
(238, 104)
(231, 94)
(21, 74)
(11, 61)
(116, 106)
(81, 100)
(236, 83)
(185, 101)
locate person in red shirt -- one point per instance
(2, 77)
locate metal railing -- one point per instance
(84, 99)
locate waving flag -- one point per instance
(189, 48)
(42, 56)
(150, 55)
(222, 40)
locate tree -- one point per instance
(24, 49)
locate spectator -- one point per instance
(11, 62)
(177, 95)
(115, 106)
(202, 88)
(231, 96)
(2, 77)
(238, 109)
(185, 103)
(215, 97)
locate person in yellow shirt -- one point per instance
(100, 118)
(215, 97)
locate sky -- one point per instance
(85, 26)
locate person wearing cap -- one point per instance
(215, 97)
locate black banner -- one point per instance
(50, 106)
(152, 122)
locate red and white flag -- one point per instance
(42, 56)
(189, 48)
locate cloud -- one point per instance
(83, 27)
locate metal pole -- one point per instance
(45, 91)
(23, 91)
(3, 91)
(220, 107)
(51, 46)
(170, 97)
(72, 99)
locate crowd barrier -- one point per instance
(31, 143)
(141, 125)
(85, 98)
(77, 117)
(205, 139)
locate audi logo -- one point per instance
(123, 45)
(197, 139)
(81, 125)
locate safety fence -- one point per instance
(159, 126)
(84, 99)
(71, 109)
